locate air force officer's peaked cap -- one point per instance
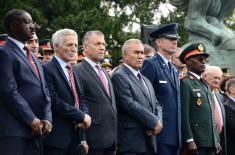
(169, 31)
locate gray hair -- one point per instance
(229, 84)
(58, 36)
(210, 69)
(88, 35)
(128, 42)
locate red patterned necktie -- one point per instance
(218, 118)
(30, 58)
(72, 84)
(103, 79)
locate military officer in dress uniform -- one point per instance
(198, 124)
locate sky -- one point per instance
(165, 9)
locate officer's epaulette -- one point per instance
(217, 90)
(191, 77)
(182, 76)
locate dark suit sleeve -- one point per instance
(158, 110)
(148, 70)
(9, 93)
(185, 110)
(47, 105)
(127, 103)
(230, 119)
(59, 106)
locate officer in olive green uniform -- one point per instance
(198, 125)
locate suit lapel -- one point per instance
(221, 105)
(91, 70)
(18, 51)
(61, 72)
(150, 97)
(136, 81)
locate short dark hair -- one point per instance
(11, 16)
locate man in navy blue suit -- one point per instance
(25, 107)
(163, 75)
(66, 96)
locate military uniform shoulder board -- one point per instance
(182, 76)
(191, 77)
(217, 90)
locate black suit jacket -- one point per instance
(230, 125)
(23, 96)
(102, 108)
(138, 111)
(64, 112)
(223, 134)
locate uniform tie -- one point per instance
(72, 84)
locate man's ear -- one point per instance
(13, 27)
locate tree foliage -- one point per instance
(84, 15)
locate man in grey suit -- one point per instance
(139, 113)
(98, 95)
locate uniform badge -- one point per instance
(199, 101)
(191, 77)
(200, 48)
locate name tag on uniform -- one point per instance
(162, 81)
(196, 90)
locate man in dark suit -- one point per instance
(139, 113)
(163, 76)
(24, 98)
(99, 96)
(213, 77)
(199, 130)
(230, 115)
(66, 96)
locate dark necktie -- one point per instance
(30, 58)
(103, 79)
(72, 84)
(171, 69)
(141, 80)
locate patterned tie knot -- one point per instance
(27, 51)
(68, 66)
(139, 76)
(98, 67)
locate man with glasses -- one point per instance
(199, 131)
(163, 75)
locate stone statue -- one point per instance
(205, 23)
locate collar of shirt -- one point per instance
(63, 66)
(135, 72)
(233, 99)
(164, 58)
(196, 75)
(19, 44)
(92, 63)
